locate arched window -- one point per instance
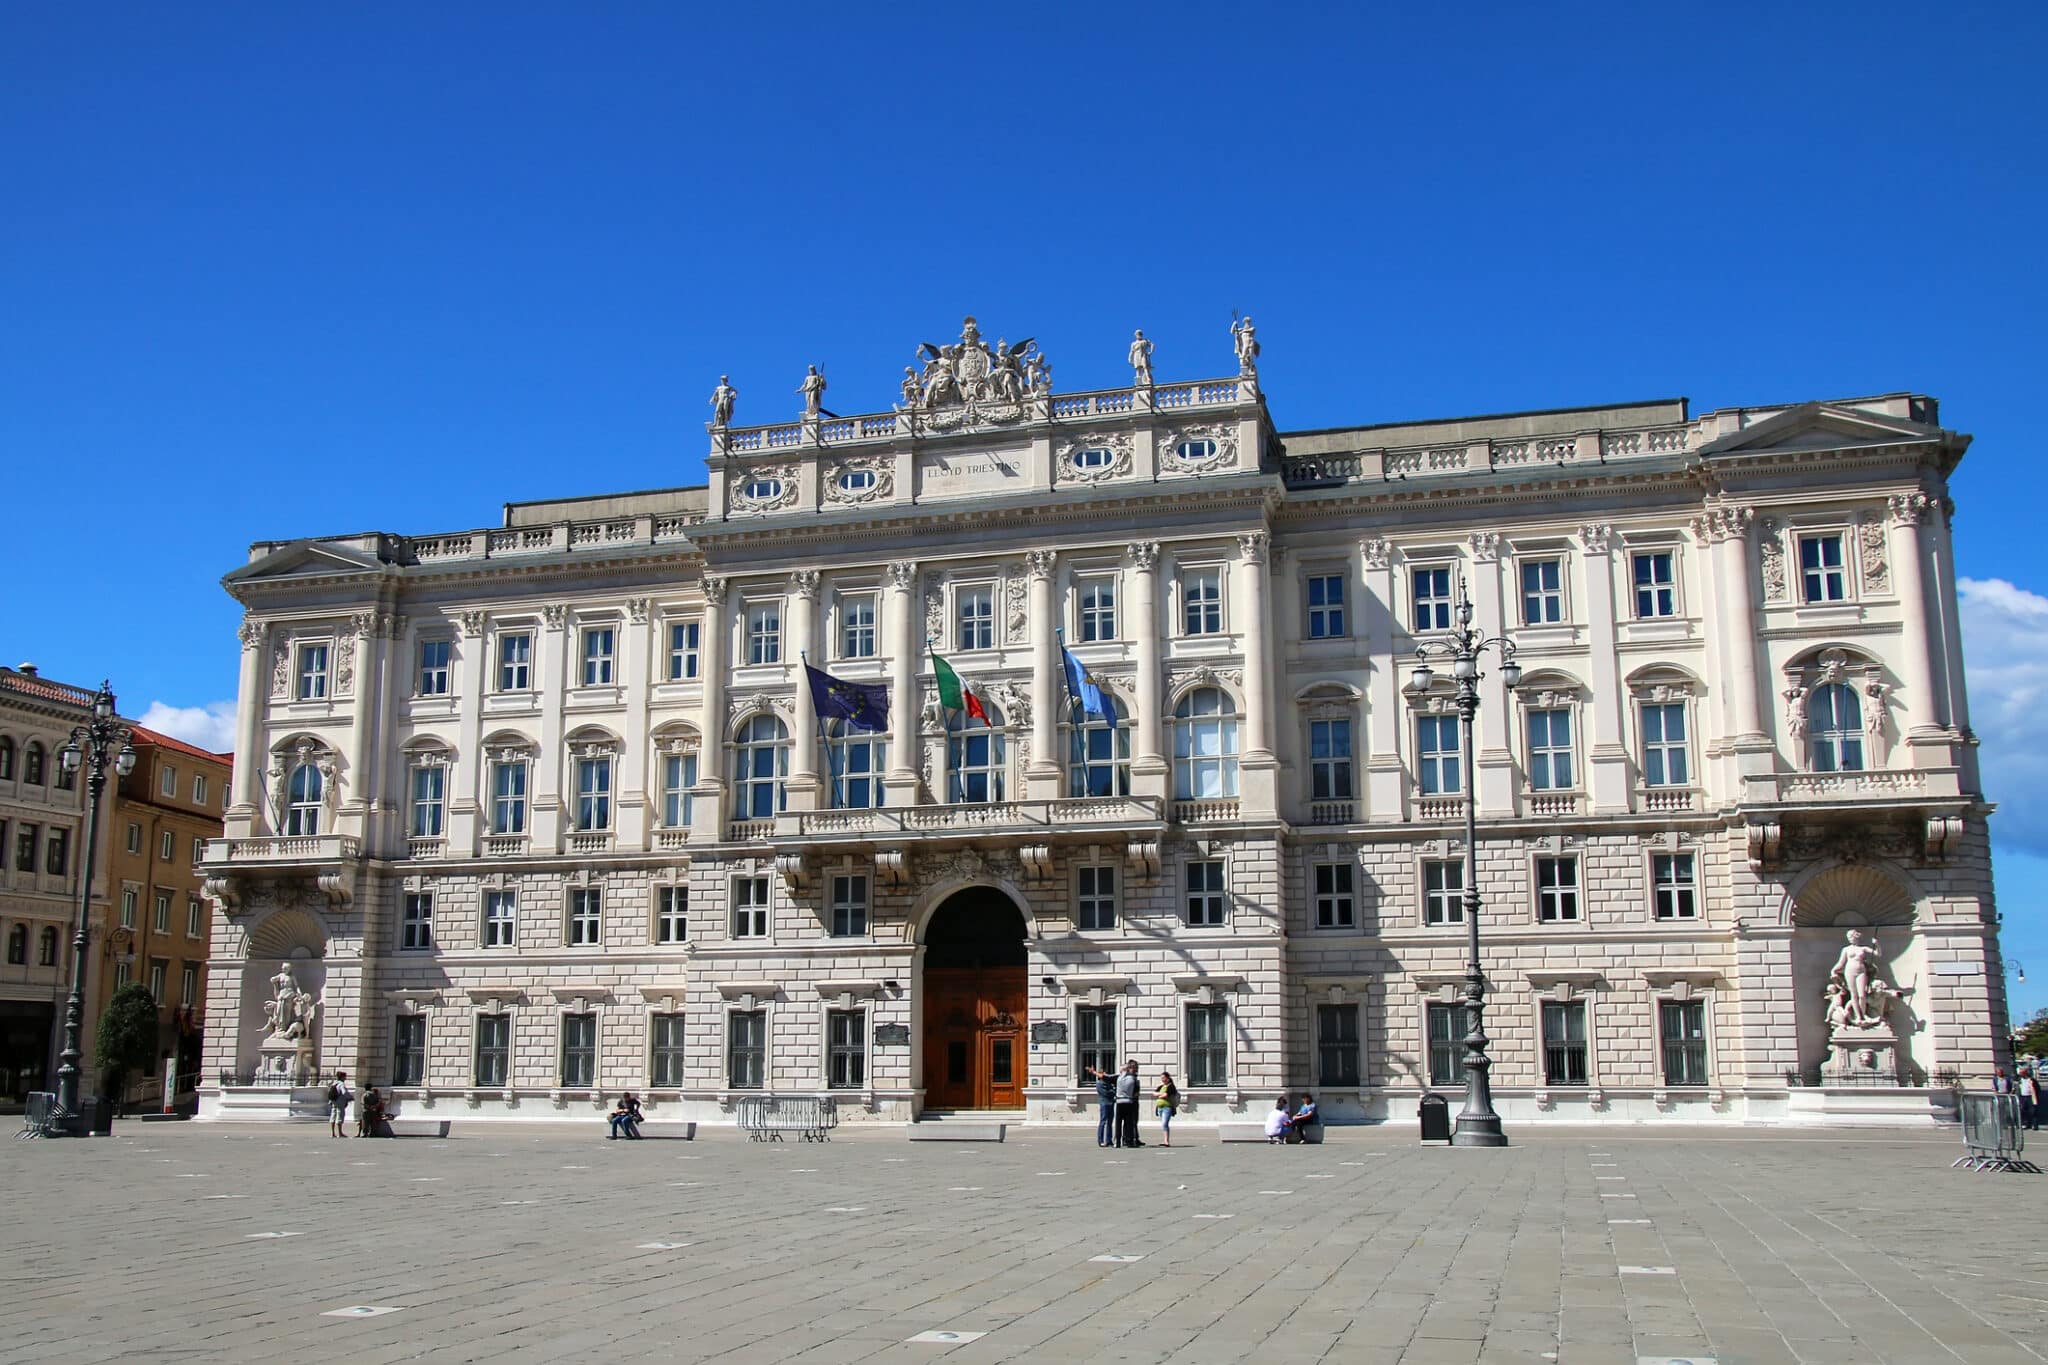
(1099, 756)
(32, 764)
(302, 801)
(976, 755)
(17, 946)
(47, 956)
(763, 764)
(1205, 745)
(6, 759)
(858, 758)
(1835, 729)
(67, 778)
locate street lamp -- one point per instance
(91, 746)
(1478, 1125)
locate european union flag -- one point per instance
(862, 704)
(1081, 685)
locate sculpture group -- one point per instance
(290, 1012)
(1857, 996)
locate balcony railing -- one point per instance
(1666, 800)
(742, 830)
(1827, 786)
(310, 848)
(1553, 803)
(670, 839)
(590, 841)
(976, 817)
(1332, 812)
(1439, 809)
(1208, 811)
(425, 847)
(504, 845)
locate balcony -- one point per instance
(504, 845)
(1551, 803)
(1881, 786)
(1209, 811)
(423, 847)
(1332, 812)
(1439, 810)
(669, 840)
(329, 861)
(588, 841)
(304, 848)
(1020, 818)
(1667, 800)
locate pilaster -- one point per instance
(1149, 771)
(904, 619)
(1383, 771)
(714, 643)
(1607, 756)
(1494, 763)
(1257, 767)
(1042, 775)
(805, 761)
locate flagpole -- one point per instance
(1076, 716)
(838, 795)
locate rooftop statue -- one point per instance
(991, 383)
(813, 390)
(722, 400)
(1141, 360)
(1246, 339)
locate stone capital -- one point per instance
(903, 574)
(1485, 546)
(714, 586)
(1144, 554)
(1909, 509)
(804, 583)
(1042, 563)
(1378, 552)
(1253, 547)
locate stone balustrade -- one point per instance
(1596, 446)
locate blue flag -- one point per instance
(865, 705)
(1083, 687)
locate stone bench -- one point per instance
(404, 1125)
(680, 1130)
(1312, 1135)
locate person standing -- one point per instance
(1166, 1103)
(1105, 1104)
(338, 1097)
(2029, 1087)
(1127, 1106)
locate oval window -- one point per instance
(1194, 452)
(761, 490)
(857, 480)
(1094, 457)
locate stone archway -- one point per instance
(973, 994)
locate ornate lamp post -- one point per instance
(100, 743)
(1478, 1125)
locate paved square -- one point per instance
(509, 1244)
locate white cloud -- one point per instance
(211, 726)
(2005, 647)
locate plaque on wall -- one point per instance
(1049, 1031)
(892, 1035)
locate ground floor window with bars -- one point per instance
(665, 1051)
(1682, 1027)
(1208, 1045)
(409, 1049)
(1448, 1025)
(1095, 1047)
(746, 1049)
(493, 1050)
(579, 1051)
(846, 1049)
(1564, 1042)
(1336, 1045)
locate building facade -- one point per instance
(546, 811)
(164, 814)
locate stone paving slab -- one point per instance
(514, 1244)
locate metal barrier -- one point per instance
(40, 1119)
(765, 1118)
(1992, 1137)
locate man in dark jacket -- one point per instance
(1105, 1104)
(1127, 1106)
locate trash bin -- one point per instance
(1435, 1113)
(101, 1116)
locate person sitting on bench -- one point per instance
(626, 1118)
(1304, 1118)
(1277, 1121)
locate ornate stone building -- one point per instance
(538, 813)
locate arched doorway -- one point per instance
(974, 994)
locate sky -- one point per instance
(272, 271)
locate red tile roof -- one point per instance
(145, 735)
(43, 689)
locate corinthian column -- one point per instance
(1725, 528)
(254, 696)
(1920, 719)
(1257, 765)
(708, 817)
(803, 636)
(904, 648)
(1148, 763)
(1042, 776)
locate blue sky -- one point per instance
(267, 271)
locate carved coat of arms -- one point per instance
(969, 382)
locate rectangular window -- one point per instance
(1207, 905)
(1564, 1042)
(665, 1051)
(683, 640)
(160, 918)
(974, 609)
(134, 837)
(124, 972)
(188, 986)
(501, 915)
(593, 793)
(1329, 760)
(579, 1051)
(1337, 1045)
(846, 1049)
(25, 848)
(1430, 590)
(599, 644)
(158, 971)
(493, 1050)
(167, 780)
(130, 897)
(1443, 891)
(1448, 1025)
(857, 635)
(1333, 883)
(166, 846)
(312, 672)
(433, 677)
(672, 914)
(515, 663)
(1095, 1041)
(764, 633)
(508, 797)
(1665, 762)
(1682, 1026)
(1325, 594)
(1550, 749)
(678, 775)
(1820, 568)
(858, 762)
(1208, 1045)
(1095, 897)
(416, 921)
(1656, 589)
(586, 915)
(409, 1049)
(1097, 609)
(429, 792)
(195, 917)
(849, 906)
(1677, 892)
(198, 849)
(750, 907)
(1201, 592)
(1436, 755)
(57, 852)
(1557, 889)
(746, 1049)
(1542, 592)
(199, 789)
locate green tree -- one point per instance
(2031, 1038)
(127, 1037)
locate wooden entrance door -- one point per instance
(974, 1054)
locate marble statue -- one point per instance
(1037, 372)
(1006, 375)
(1245, 337)
(1141, 360)
(1858, 997)
(970, 372)
(722, 400)
(290, 1012)
(912, 387)
(813, 390)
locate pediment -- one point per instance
(1820, 426)
(308, 559)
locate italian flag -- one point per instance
(956, 692)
